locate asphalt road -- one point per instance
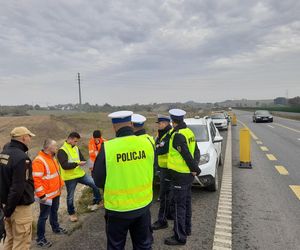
(266, 210)
(92, 233)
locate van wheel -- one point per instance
(221, 160)
(215, 185)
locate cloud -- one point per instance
(175, 50)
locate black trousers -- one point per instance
(139, 228)
(164, 196)
(183, 211)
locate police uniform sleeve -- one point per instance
(62, 158)
(197, 154)
(17, 187)
(99, 170)
(180, 144)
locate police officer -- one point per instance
(161, 151)
(124, 168)
(17, 189)
(138, 123)
(183, 160)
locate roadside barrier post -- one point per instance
(234, 121)
(245, 148)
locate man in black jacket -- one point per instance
(123, 214)
(183, 160)
(161, 151)
(17, 189)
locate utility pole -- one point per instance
(79, 89)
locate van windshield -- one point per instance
(200, 132)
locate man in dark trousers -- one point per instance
(183, 160)
(17, 189)
(161, 151)
(124, 168)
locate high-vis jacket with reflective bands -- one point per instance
(163, 159)
(73, 156)
(94, 148)
(129, 173)
(47, 180)
(150, 138)
(175, 160)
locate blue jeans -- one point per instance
(71, 186)
(45, 211)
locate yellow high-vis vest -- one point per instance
(163, 159)
(73, 156)
(175, 160)
(129, 173)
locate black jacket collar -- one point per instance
(181, 125)
(125, 131)
(162, 132)
(18, 144)
(140, 132)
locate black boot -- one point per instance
(159, 225)
(172, 241)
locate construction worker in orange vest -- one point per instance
(47, 184)
(95, 146)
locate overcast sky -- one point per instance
(131, 51)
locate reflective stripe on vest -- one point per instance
(175, 160)
(73, 157)
(129, 173)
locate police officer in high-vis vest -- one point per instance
(124, 168)
(138, 122)
(183, 159)
(71, 161)
(161, 151)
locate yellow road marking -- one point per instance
(259, 142)
(251, 133)
(296, 190)
(271, 157)
(282, 170)
(263, 148)
(283, 126)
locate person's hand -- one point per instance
(44, 199)
(82, 163)
(194, 173)
(6, 218)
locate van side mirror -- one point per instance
(218, 139)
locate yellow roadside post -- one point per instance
(245, 148)
(234, 120)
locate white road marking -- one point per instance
(298, 139)
(270, 126)
(223, 228)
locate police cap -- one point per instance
(177, 114)
(138, 120)
(120, 116)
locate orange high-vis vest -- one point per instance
(46, 177)
(94, 148)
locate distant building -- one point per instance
(280, 101)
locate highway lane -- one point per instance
(266, 210)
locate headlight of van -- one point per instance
(204, 159)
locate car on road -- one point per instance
(262, 116)
(209, 142)
(220, 120)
